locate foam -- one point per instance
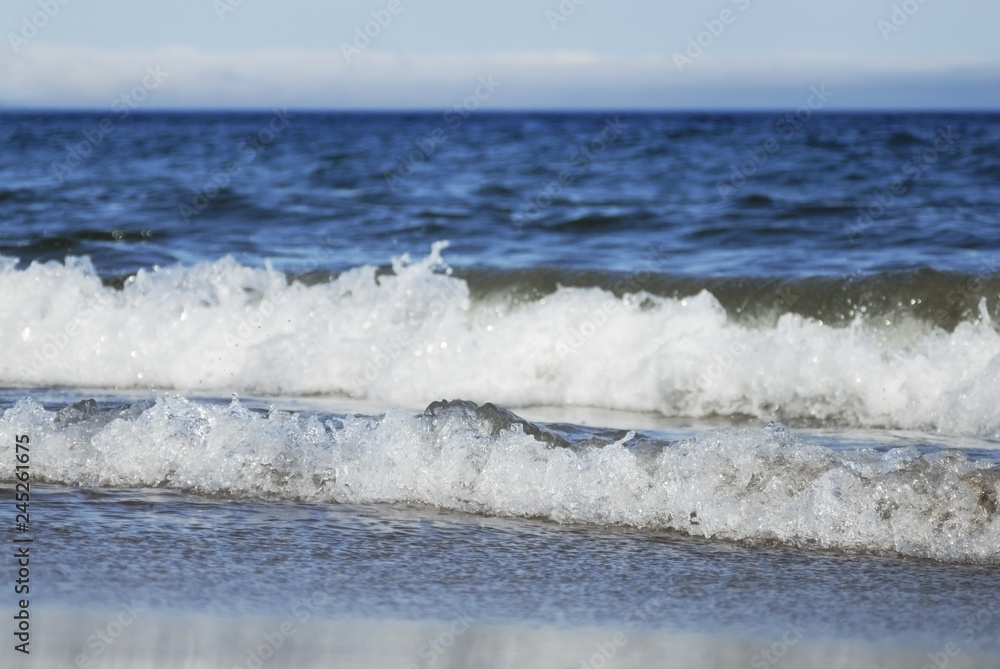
(739, 484)
(414, 335)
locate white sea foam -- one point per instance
(415, 335)
(740, 484)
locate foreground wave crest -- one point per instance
(750, 485)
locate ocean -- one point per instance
(467, 389)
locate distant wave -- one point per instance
(918, 350)
(750, 485)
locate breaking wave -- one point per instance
(418, 331)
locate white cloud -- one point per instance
(43, 75)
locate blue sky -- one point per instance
(542, 53)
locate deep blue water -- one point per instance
(734, 195)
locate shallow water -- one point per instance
(532, 592)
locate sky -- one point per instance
(533, 54)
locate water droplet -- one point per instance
(775, 428)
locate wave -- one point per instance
(939, 299)
(749, 485)
(417, 331)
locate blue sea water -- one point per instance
(726, 195)
(736, 372)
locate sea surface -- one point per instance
(501, 390)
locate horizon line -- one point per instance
(496, 111)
